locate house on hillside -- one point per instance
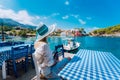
(77, 33)
(69, 33)
(30, 35)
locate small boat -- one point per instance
(72, 45)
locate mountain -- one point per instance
(12, 23)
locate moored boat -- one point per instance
(71, 45)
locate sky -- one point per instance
(65, 14)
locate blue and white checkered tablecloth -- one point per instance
(4, 54)
(92, 65)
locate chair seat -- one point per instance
(21, 59)
(18, 60)
(30, 55)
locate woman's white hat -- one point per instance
(43, 31)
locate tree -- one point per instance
(81, 30)
(22, 33)
(14, 32)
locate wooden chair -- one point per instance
(19, 56)
(30, 58)
(18, 43)
(2, 44)
(59, 50)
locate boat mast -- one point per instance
(2, 33)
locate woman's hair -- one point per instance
(36, 44)
(44, 39)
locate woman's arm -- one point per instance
(39, 53)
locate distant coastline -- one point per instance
(107, 35)
(113, 31)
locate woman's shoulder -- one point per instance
(40, 44)
(44, 44)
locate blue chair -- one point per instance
(31, 51)
(18, 43)
(19, 56)
(59, 50)
(2, 44)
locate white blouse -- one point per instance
(44, 58)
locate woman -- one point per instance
(43, 53)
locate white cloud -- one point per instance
(1, 6)
(82, 21)
(45, 17)
(40, 23)
(65, 17)
(55, 14)
(67, 3)
(50, 16)
(54, 24)
(21, 16)
(89, 18)
(91, 29)
(75, 15)
(37, 17)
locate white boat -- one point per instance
(71, 45)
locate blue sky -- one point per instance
(65, 14)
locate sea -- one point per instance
(106, 44)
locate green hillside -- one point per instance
(108, 30)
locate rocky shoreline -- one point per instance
(107, 35)
(116, 35)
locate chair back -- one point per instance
(18, 43)
(59, 50)
(37, 68)
(2, 44)
(19, 52)
(32, 49)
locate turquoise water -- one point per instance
(109, 44)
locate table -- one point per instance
(92, 65)
(5, 52)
